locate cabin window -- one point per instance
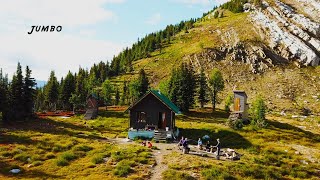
(141, 117)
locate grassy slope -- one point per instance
(49, 143)
(269, 153)
(58, 148)
(285, 87)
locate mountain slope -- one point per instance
(261, 51)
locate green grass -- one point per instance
(97, 159)
(268, 153)
(123, 168)
(56, 148)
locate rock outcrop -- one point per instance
(289, 31)
(286, 37)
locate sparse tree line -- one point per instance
(70, 92)
(122, 63)
(235, 6)
(185, 87)
(17, 96)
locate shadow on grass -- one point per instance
(5, 167)
(205, 115)
(9, 139)
(228, 139)
(114, 114)
(45, 125)
(276, 125)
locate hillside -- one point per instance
(273, 50)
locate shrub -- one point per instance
(235, 124)
(62, 162)
(50, 155)
(216, 14)
(235, 6)
(21, 157)
(58, 148)
(123, 168)
(84, 148)
(258, 112)
(68, 156)
(97, 159)
(228, 102)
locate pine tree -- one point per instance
(40, 100)
(124, 97)
(52, 91)
(67, 88)
(182, 87)
(143, 83)
(202, 92)
(80, 87)
(75, 100)
(17, 110)
(217, 84)
(117, 96)
(107, 90)
(3, 95)
(29, 93)
(134, 90)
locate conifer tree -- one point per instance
(3, 95)
(117, 96)
(17, 110)
(67, 88)
(107, 90)
(80, 86)
(29, 93)
(52, 91)
(40, 100)
(182, 87)
(124, 97)
(143, 83)
(217, 84)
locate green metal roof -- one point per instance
(166, 101)
(162, 98)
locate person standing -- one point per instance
(218, 146)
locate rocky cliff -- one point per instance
(289, 33)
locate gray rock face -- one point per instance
(300, 46)
(299, 19)
(311, 8)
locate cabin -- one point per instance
(92, 106)
(240, 104)
(151, 115)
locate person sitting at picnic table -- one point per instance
(185, 145)
(149, 145)
(200, 143)
(208, 146)
(180, 142)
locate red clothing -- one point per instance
(149, 145)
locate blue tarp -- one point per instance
(145, 134)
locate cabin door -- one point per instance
(162, 120)
(237, 104)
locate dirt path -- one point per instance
(163, 149)
(160, 167)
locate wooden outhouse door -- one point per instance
(237, 104)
